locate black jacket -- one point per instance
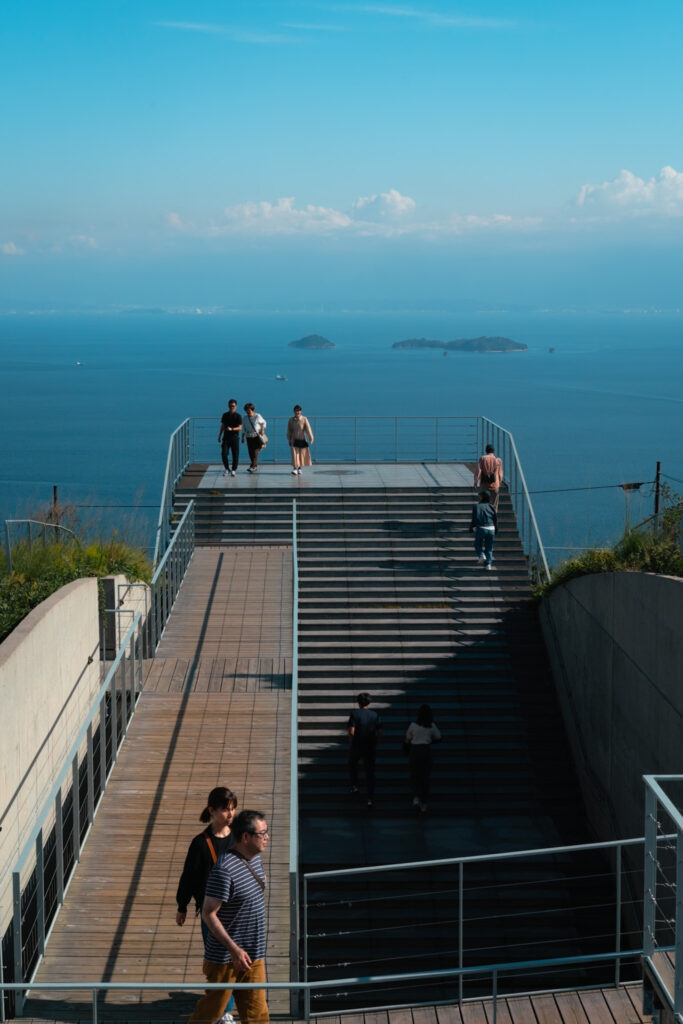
(198, 864)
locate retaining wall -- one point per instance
(615, 642)
(47, 685)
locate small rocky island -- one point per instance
(312, 341)
(482, 344)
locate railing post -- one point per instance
(59, 847)
(495, 997)
(461, 895)
(18, 944)
(76, 808)
(40, 892)
(678, 975)
(617, 944)
(89, 769)
(103, 743)
(650, 872)
(8, 548)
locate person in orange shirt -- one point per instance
(489, 474)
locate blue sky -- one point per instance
(255, 153)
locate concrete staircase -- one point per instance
(391, 600)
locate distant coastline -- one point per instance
(482, 344)
(312, 341)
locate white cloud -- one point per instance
(280, 218)
(85, 241)
(630, 194)
(237, 35)
(387, 205)
(10, 249)
(418, 14)
(385, 215)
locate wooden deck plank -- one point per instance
(120, 909)
(545, 1009)
(570, 1007)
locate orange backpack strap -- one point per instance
(213, 852)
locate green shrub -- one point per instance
(637, 551)
(41, 570)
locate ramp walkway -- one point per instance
(215, 710)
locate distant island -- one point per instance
(312, 341)
(465, 344)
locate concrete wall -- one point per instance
(615, 641)
(47, 686)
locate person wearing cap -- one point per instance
(484, 526)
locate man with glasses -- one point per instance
(234, 911)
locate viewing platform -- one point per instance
(275, 600)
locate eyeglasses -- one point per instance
(264, 833)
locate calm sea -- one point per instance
(599, 411)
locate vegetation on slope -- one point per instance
(652, 547)
(38, 571)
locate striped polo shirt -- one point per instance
(243, 907)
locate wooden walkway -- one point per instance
(215, 710)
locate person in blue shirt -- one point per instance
(484, 526)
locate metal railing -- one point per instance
(29, 534)
(167, 578)
(408, 978)
(371, 439)
(358, 439)
(177, 462)
(663, 902)
(294, 910)
(506, 449)
(41, 876)
(464, 885)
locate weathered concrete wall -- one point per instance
(615, 642)
(47, 686)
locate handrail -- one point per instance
(493, 433)
(294, 769)
(168, 576)
(177, 461)
(476, 858)
(29, 523)
(302, 986)
(106, 705)
(663, 884)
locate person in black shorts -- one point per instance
(365, 729)
(229, 437)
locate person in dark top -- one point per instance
(484, 526)
(229, 437)
(205, 849)
(365, 729)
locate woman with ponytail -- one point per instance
(205, 849)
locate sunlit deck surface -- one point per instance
(594, 1006)
(215, 710)
(354, 476)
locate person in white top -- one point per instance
(254, 433)
(419, 738)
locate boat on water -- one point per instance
(280, 376)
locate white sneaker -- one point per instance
(227, 1018)
(294, 472)
(489, 568)
(299, 471)
(233, 472)
(225, 472)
